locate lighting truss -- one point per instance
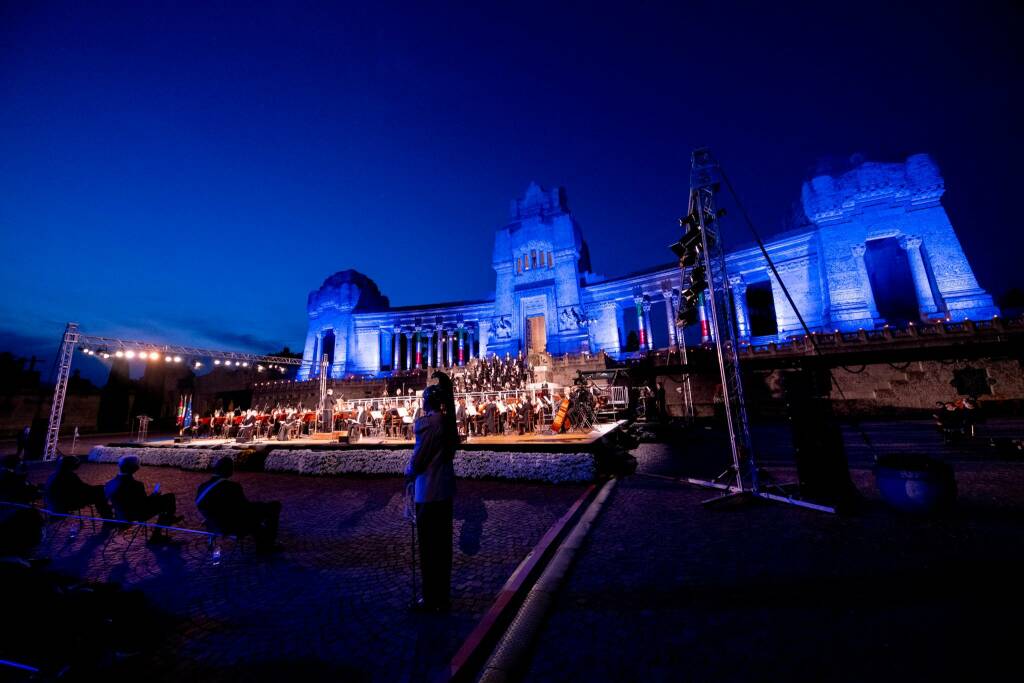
(107, 347)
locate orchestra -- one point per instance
(499, 404)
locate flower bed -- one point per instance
(550, 467)
(186, 458)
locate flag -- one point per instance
(187, 418)
(181, 410)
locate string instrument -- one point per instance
(561, 422)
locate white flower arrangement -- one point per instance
(198, 459)
(550, 467)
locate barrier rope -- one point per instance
(121, 522)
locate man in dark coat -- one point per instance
(131, 504)
(14, 485)
(226, 509)
(66, 492)
(431, 472)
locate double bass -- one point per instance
(561, 422)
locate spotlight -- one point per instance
(177, 359)
(167, 359)
(216, 362)
(198, 364)
(119, 354)
(245, 365)
(106, 355)
(129, 354)
(260, 368)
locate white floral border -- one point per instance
(549, 467)
(185, 458)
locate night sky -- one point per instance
(189, 174)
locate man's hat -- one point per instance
(128, 464)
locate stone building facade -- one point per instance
(873, 246)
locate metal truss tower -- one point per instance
(703, 186)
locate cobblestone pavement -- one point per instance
(332, 606)
(667, 590)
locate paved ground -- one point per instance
(332, 606)
(666, 590)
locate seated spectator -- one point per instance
(66, 492)
(131, 504)
(226, 509)
(97, 622)
(14, 485)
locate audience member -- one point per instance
(66, 492)
(226, 509)
(14, 485)
(131, 504)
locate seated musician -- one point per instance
(473, 413)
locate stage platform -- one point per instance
(571, 441)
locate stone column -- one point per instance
(408, 351)
(639, 301)
(647, 323)
(462, 344)
(739, 301)
(925, 298)
(429, 363)
(670, 316)
(469, 342)
(482, 327)
(394, 349)
(869, 297)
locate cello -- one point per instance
(561, 422)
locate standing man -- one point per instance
(432, 470)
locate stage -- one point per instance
(555, 458)
(338, 440)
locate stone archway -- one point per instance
(891, 281)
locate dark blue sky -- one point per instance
(189, 174)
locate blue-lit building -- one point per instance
(871, 246)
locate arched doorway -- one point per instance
(761, 309)
(328, 349)
(891, 281)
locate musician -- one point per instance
(526, 412)
(490, 419)
(462, 417)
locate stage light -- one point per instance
(167, 359)
(106, 355)
(129, 354)
(245, 365)
(259, 368)
(198, 364)
(119, 354)
(216, 362)
(177, 359)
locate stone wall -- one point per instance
(876, 389)
(17, 412)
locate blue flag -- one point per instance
(188, 414)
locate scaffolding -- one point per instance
(107, 347)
